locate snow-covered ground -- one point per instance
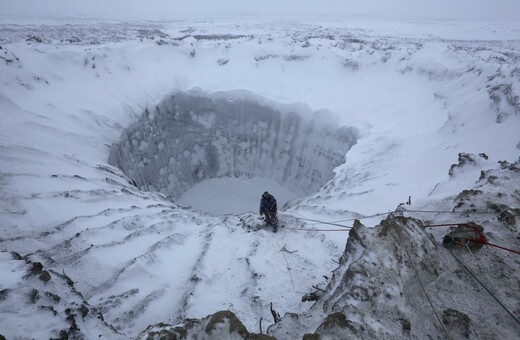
(416, 93)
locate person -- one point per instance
(268, 208)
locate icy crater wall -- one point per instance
(190, 137)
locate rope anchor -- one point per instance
(467, 234)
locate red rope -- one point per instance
(497, 246)
(481, 238)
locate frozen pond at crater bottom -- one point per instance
(231, 195)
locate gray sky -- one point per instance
(178, 9)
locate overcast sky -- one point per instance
(178, 9)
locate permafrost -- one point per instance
(190, 137)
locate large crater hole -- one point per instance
(219, 152)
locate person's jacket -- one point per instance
(268, 203)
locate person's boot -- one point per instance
(275, 228)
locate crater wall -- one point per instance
(191, 136)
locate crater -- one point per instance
(216, 144)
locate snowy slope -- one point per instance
(40, 303)
(68, 92)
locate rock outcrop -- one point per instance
(397, 281)
(220, 325)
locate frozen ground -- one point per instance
(233, 195)
(416, 93)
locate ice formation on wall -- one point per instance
(190, 137)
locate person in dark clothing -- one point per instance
(268, 208)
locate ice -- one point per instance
(232, 195)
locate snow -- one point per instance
(10, 275)
(233, 195)
(415, 97)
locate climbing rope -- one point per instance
(303, 229)
(416, 273)
(450, 212)
(481, 239)
(318, 221)
(364, 217)
(405, 211)
(336, 223)
(283, 250)
(483, 286)
(485, 273)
